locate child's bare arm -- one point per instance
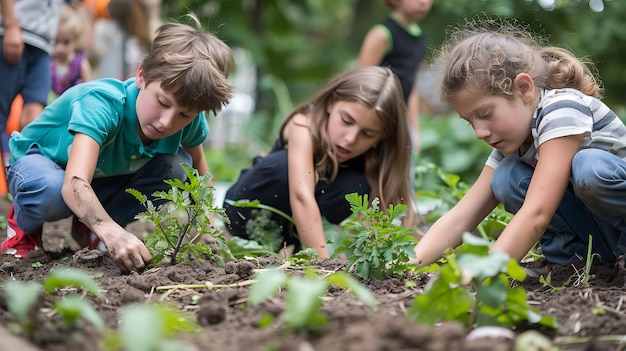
(373, 48)
(545, 192)
(448, 231)
(125, 248)
(306, 213)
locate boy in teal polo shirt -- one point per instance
(102, 137)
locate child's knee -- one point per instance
(511, 179)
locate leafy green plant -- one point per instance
(304, 295)
(474, 288)
(23, 301)
(263, 229)
(376, 245)
(173, 238)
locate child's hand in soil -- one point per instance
(128, 252)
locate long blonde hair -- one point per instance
(487, 54)
(388, 163)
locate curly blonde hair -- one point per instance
(487, 54)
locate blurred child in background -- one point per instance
(399, 43)
(69, 66)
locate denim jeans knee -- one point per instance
(510, 182)
(35, 183)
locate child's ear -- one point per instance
(139, 76)
(525, 86)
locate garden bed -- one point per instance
(585, 313)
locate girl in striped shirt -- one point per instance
(559, 153)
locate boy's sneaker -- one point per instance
(85, 237)
(19, 243)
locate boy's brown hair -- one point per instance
(191, 64)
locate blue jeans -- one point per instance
(35, 182)
(30, 77)
(593, 204)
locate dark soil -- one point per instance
(585, 313)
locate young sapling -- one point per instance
(174, 238)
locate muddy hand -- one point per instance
(129, 253)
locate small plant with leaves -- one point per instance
(304, 296)
(23, 301)
(580, 277)
(262, 229)
(174, 237)
(377, 246)
(474, 288)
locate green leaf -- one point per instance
(268, 283)
(21, 297)
(483, 267)
(144, 327)
(451, 304)
(304, 302)
(71, 277)
(493, 292)
(348, 282)
(72, 308)
(258, 204)
(241, 248)
(515, 271)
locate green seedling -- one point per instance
(72, 309)
(474, 288)
(304, 296)
(173, 238)
(580, 277)
(547, 282)
(23, 301)
(586, 277)
(377, 246)
(150, 327)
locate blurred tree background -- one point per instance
(297, 45)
